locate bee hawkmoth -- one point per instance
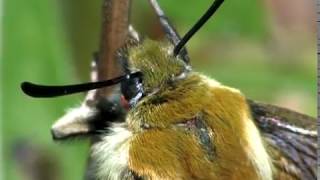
(174, 123)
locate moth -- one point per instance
(169, 122)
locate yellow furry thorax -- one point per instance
(239, 150)
(157, 147)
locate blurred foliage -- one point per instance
(52, 42)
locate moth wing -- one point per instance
(291, 138)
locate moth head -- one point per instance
(157, 65)
(160, 63)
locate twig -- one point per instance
(115, 23)
(115, 20)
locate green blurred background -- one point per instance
(265, 48)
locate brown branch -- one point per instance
(115, 21)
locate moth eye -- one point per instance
(131, 87)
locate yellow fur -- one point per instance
(239, 149)
(153, 59)
(158, 151)
(168, 154)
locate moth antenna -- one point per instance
(213, 8)
(35, 90)
(169, 30)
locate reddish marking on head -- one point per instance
(124, 103)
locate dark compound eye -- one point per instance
(132, 89)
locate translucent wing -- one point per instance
(291, 139)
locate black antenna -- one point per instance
(213, 8)
(35, 90)
(169, 30)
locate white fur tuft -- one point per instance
(257, 152)
(112, 153)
